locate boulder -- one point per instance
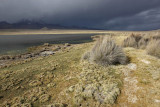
(46, 53)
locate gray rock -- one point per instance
(71, 89)
(132, 66)
(46, 53)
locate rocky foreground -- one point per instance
(59, 78)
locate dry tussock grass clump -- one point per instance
(153, 48)
(143, 42)
(156, 37)
(106, 52)
(139, 41)
(132, 41)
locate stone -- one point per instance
(157, 101)
(71, 89)
(132, 66)
(145, 61)
(46, 53)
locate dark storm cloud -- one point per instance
(109, 14)
(145, 20)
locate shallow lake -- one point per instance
(15, 43)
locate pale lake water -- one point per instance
(19, 43)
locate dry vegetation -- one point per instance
(64, 80)
(144, 41)
(153, 48)
(106, 52)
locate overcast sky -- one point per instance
(105, 14)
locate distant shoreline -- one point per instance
(20, 42)
(55, 31)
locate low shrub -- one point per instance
(131, 41)
(106, 52)
(156, 37)
(143, 42)
(153, 48)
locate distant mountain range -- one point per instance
(27, 24)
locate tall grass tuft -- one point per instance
(143, 42)
(131, 41)
(106, 52)
(153, 48)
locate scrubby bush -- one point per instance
(143, 42)
(139, 41)
(106, 52)
(153, 48)
(131, 41)
(156, 37)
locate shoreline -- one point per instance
(58, 31)
(33, 52)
